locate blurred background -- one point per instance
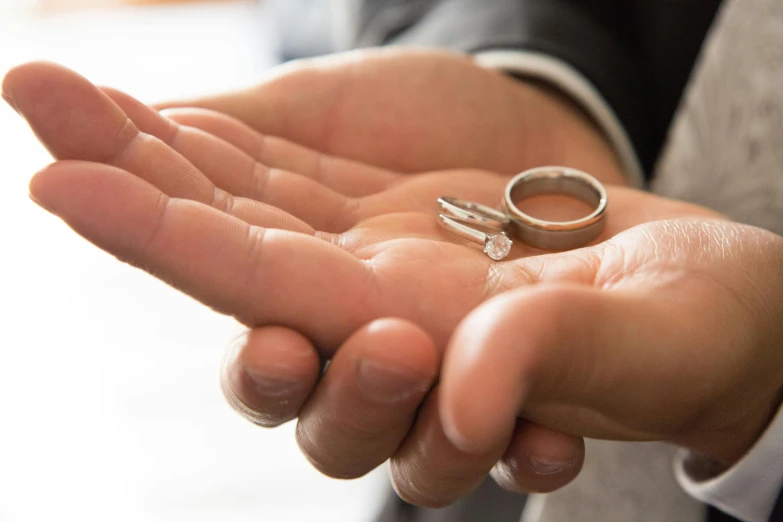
(110, 407)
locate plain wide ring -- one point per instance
(556, 235)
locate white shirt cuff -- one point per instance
(749, 489)
(570, 81)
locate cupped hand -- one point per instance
(319, 245)
(674, 334)
(669, 331)
(329, 247)
(415, 110)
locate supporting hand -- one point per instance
(413, 110)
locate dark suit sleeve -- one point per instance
(637, 53)
(777, 511)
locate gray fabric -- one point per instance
(623, 482)
(726, 147)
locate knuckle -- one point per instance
(324, 456)
(343, 454)
(419, 487)
(265, 419)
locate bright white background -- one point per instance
(110, 408)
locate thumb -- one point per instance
(578, 360)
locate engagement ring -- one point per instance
(460, 216)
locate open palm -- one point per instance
(322, 250)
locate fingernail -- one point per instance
(390, 383)
(544, 466)
(10, 102)
(270, 385)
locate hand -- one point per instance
(674, 334)
(172, 200)
(669, 331)
(414, 111)
(203, 215)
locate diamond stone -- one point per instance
(497, 246)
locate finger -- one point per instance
(367, 400)
(294, 103)
(350, 178)
(269, 373)
(508, 344)
(539, 460)
(75, 120)
(237, 173)
(429, 471)
(594, 360)
(261, 276)
(368, 105)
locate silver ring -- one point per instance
(472, 213)
(496, 246)
(556, 235)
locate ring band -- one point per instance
(472, 213)
(554, 235)
(496, 246)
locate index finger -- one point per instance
(259, 275)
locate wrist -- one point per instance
(569, 136)
(717, 450)
(579, 109)
(740, 391)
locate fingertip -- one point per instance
(395, 360)
(31, 79)
(10, 101)
(503, 351)
(275, 347)
(484, 379)
(368, 398)
(37, 185)
(539, 460)
(269, 373)
(25, 77)
(72, 118)
(94, 198)
(404, 341)
(474, 426)
(56, 182)
(18, 73)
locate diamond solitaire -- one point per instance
(497, 246)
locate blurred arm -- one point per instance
(625, 64)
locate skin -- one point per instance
(213, 204)
(390, 108)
